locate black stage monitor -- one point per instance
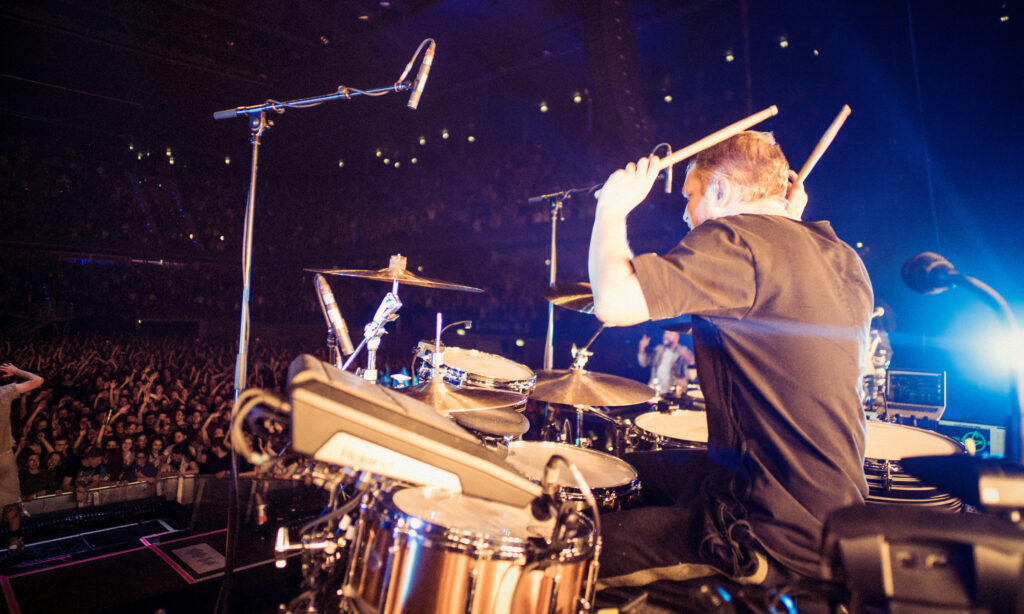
(339, 418)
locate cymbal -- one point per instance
(446, 398)
(396, 271)
(683, 328)
(579, 387)
(575, 296)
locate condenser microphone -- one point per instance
(421, 77)
(668, 174)
(333, 315)
(929, 273)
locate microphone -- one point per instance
(334, 319)
(668, 174)
(929, 273)
(421, 77)
(542, 505)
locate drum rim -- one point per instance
(557, 445)
(475, 544)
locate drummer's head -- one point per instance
(744, 169)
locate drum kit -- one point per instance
(396, 546)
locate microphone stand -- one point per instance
(1016, 413)
(258, 124)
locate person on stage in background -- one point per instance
(780, 310)
(669, 362)
(10, 490)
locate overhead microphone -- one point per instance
(421, 76)
(333, 315)
(668, 174)
(929, 273)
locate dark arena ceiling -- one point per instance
(929, 159)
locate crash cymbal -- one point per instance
(579, 387)
(447, 398)
(396, 271)
(576, 296)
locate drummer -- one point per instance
(780, 311)
(669, 362)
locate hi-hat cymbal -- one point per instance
(579, 387)
(396, 271)
(575, 296)
(683, 328)
(446, 398)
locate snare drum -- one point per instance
(612, 480)
(429, 550)
(475, 368)
(680, 429)
(887, 483)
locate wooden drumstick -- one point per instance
(716, 137)
(826, 140)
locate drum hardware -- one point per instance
(887, 446)
(387, 311)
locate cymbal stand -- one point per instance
(374, 330)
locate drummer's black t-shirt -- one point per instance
(781, 315)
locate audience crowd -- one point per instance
(128, 408)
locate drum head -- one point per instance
(679, 425)
(470, 515)
(488, 365)
(887, 441)
(598, 469)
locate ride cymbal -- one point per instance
(579, 387)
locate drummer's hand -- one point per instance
(628, 187)
(644, 342)
(796, 196)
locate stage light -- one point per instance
(577, 98)
(460, 332)
(668, 97)
(729, 57)
(1004, 18)
(471, 138)
(227, 159)
(815, 52)
(168, 152)
(170, 160)
(1001, 350)
(414, 160)
(783, 42)
(397, 164)
(520, 343)
(341, 164)
(379, 152)
(131, 146)
(859, 244)
(543, 107)
(423, 140)
(444, 134)
(387, 160)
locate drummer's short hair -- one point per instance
(752, 159)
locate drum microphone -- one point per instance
(929, 273)
(541, 506)
(421, 76)
(333, 315)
